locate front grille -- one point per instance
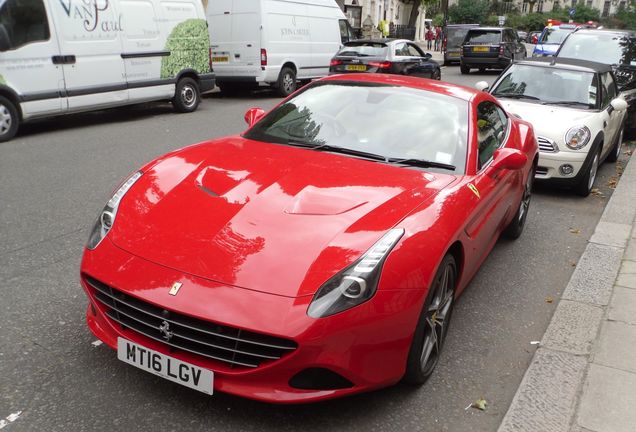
(179, 332)
(547, 145)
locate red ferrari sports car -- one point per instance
(319, 253)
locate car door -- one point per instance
(27, 61)
(520, 48)
(612, 119)
(419, 65)
(402, 60)
(493, 187)
(91, 48)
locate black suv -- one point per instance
(490, 47)
(613, 47)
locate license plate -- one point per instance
(360, 68)
(220, 59)
(481, 49)
(165, 366)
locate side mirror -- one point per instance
(428, 56)
(510, 159)
(618, 104)
(5, 43)
(253, 115)
(482, 86)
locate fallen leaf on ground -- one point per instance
(628, 152)
(479, 404)
(597, 192)
(575, 231)
(549, 299)
(572, 264)
(612, 182)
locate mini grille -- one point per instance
(219, 342)
(547, 145)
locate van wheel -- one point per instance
(187, 96)
(286, 84)
(9, 120)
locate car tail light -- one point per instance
(501, 50)
(263, 57)
(335, 62)
(380, 65)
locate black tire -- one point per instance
(516, 225)
(187, 96)
(286, 83)
(436, 75)
(431, 330)
(465, 70)
(616, 151)
(585, 185)
(482, 70)
(9, 119)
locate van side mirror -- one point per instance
(482, 86)
(5, 43)
(253, 115)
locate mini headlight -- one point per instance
(106, 218)
(355, 284)
(577, 137)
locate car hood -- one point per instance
(265, 217)
(548, 120)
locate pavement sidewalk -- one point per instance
(582, 377)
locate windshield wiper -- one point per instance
(566, 103)
(342, 150)
(515, 96)
(422, 163)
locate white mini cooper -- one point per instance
(576, 113)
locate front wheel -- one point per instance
(187, 96)
(515, 228)
(587, 182)
(436, 75)
(9, 119)
(432, 326)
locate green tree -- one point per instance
(469, 11)
(415, 9)
(583, 13)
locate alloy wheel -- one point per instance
(288, 83)
(593, 171)
(525, 200)
(5, 120)
(437, 318)
(188, 96)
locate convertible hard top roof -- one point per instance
(628, 32)
(568, 63)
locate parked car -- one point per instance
(454, 35)
(346, 220)
(490, 47)
(576, 113)
(522, 35)
(60, 58)
(613, 47)
(551, 38)
(274, 42)
(397, 56)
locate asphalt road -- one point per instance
(57, 174)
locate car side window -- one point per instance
(609, 89)
(22, 22)
(402, 50)
(414, 51)
(491, 131)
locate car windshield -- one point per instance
(483, 37)
(548, 85)
(608, 48)
(455, 37)
(364, 49)
(555, 35)
(391, 122)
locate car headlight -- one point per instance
(355, 284)
(106, 218)
(577, 137)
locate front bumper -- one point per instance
(367, 345)
(549, 163)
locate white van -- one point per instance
(66, 56)
(274, 42)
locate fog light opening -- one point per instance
(566, 169)
(319, 379)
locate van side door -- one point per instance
(90, 53)
(27, 65)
